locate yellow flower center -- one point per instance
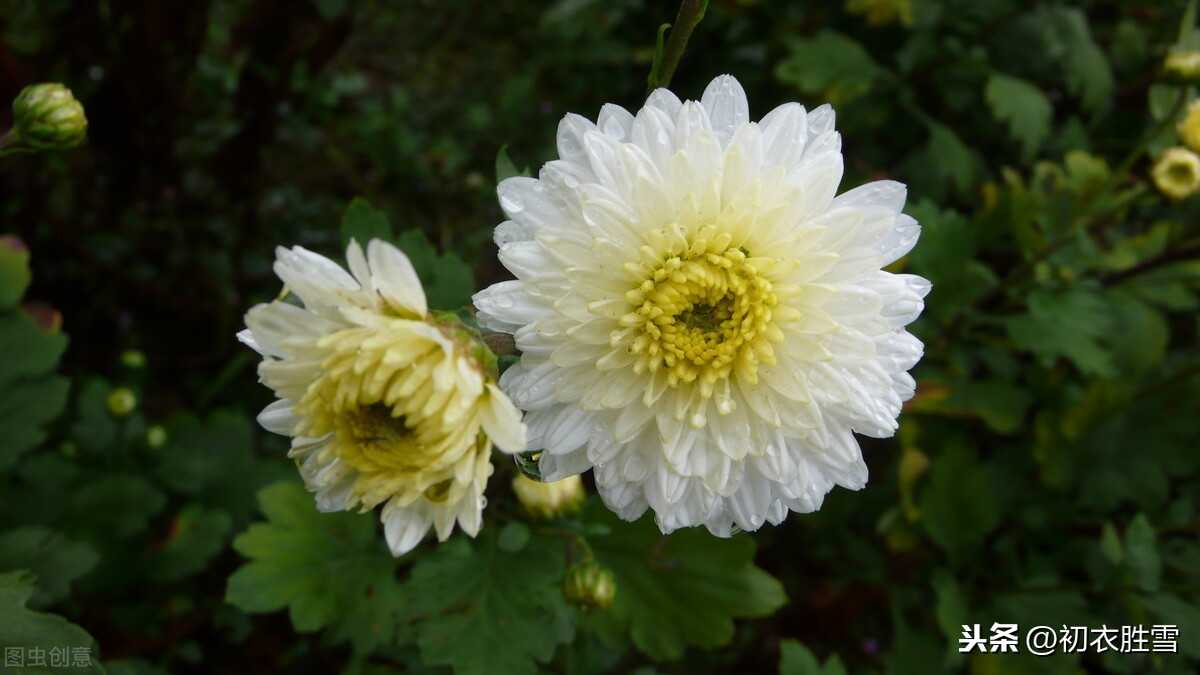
(703, 314)
(392, 426)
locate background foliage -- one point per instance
(1046, 473)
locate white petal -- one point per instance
(725, 101)
(404, 527)
(395, 279)
(502, 421)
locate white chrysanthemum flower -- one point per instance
(384, 402)
(701, 321)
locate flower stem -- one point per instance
(690, 14)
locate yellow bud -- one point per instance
(1182, 67)
(1189, 127)
(156, 436)
(550, 501)
(589, 585)
(121, 402)
(1176, 172)
(133, 359)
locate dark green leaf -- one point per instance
(677, 590)
(56, 560)
(321, 566)
(25, 629)
(486, 610)
(1023, 107)
(363, 222)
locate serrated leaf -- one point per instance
(94, 427)
(1023, 107)
(30, 395)
(1087, 71)
(213, 461)
(56, 560)
(678, 590)
(448, 281)
(363, 222)
(846, 69)
(484, 610)
(949, 157)
(960, 502)
(119, 505)
(1141, 553)
(14, 271)
(1172, 610)
(1069, 325)
(197, 535)
(796, 659)
(950, 610)
(23, 628)
(321, 566)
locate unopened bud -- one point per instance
(156, 436)
(550, 501)
(48, 117)
(133, 359)
(589, 585)
(1182, 67)
(1188, 128)
(121, 402)
(1176, 173)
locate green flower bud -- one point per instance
(1182, 67)
(133, 359)
(49, 118)
(589, 585)
(121, 402)
(156, 436)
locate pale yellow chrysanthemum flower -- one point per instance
(547, 501)
(1189, 127)
(1176, 172)
(385, 403)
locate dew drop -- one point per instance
(503, 300)
(662, 137)
(568, 145)
(511, 201)
(527, 463)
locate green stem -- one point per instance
(690, 14)
(10, 143)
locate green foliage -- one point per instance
(24, 629)
(677, 590)
(484, 609)
(796, 659)
(320, 566)
(1023, 107)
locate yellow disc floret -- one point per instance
(392, 397)
(702, 313)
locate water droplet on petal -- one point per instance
(503, 300)
(511, 200)
(527, 463)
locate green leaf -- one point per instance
(514, 537)
(1110, 544)
(951, 611)
(505, 167)
(677, 590)
(30, 395)
(213, 461)
(449, 282)
(197, 535)
(1023, 107)
(25, 629)
(656, 63)
(363, 222)
(14, 271)
(1087, 71)
(321, 566)
(486, 610)
(960, 504)
(119, 505)
(56, 560)
(1141, 553)
(796, 659)
(1175, 611)
(1069, 325)
(94, 428)
(845, 71)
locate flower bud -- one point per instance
(1176, 172)
(121, 402)
(1182, 67)
(589, 585)
(49, 118)
(156, 436)
(133, 359)
(1188, 128)
(550, 501)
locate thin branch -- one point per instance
(690, 14)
